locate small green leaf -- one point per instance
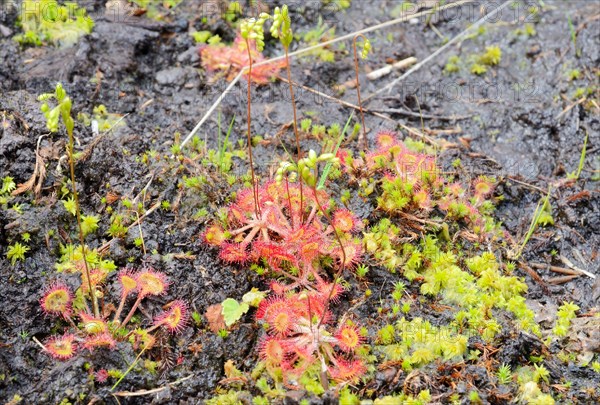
(232, 310)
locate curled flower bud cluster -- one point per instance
(306, 167)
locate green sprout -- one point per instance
(575, 174)
(565, 314)
(8, 185)
(492, 56)
(478, 69)
(16, 252)
(362, 270)
(89, 224)
(504, 374)
(540, 373)
(305, 125)
(452, 66)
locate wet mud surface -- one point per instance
(519, 122)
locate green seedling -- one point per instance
(362, 270)
(478, 69)
(540, 373)
(491, 57)
(319, 34)
(504, 374)
(452, 66)
(305, 125)
(565, 314)
(573, 37)
(575, 174)
(541, 216)
(8, 186)
(16, 252)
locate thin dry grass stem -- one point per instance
(152, 391)
(570, 107)
(38, 175)
(528, 185)
(534, 275)
(312, 48)
(561, 280)
(37, 342)
(360, 108)
(556, 269)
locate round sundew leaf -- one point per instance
(57, 300)
(61, 347)
(128, 283)
(151, 283)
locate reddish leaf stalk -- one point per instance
(120, 309)
(360, 108)
(254, 184)
(339, 240)
(293, 99)
(133, 308)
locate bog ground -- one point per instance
(521, 117)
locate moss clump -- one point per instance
(47, 22)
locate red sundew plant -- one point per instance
(94, 332)
(412, 183)
(101, 375)
(290, 234)
(345, 221)
(231, 59)
(299, 336)
(148, 282)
